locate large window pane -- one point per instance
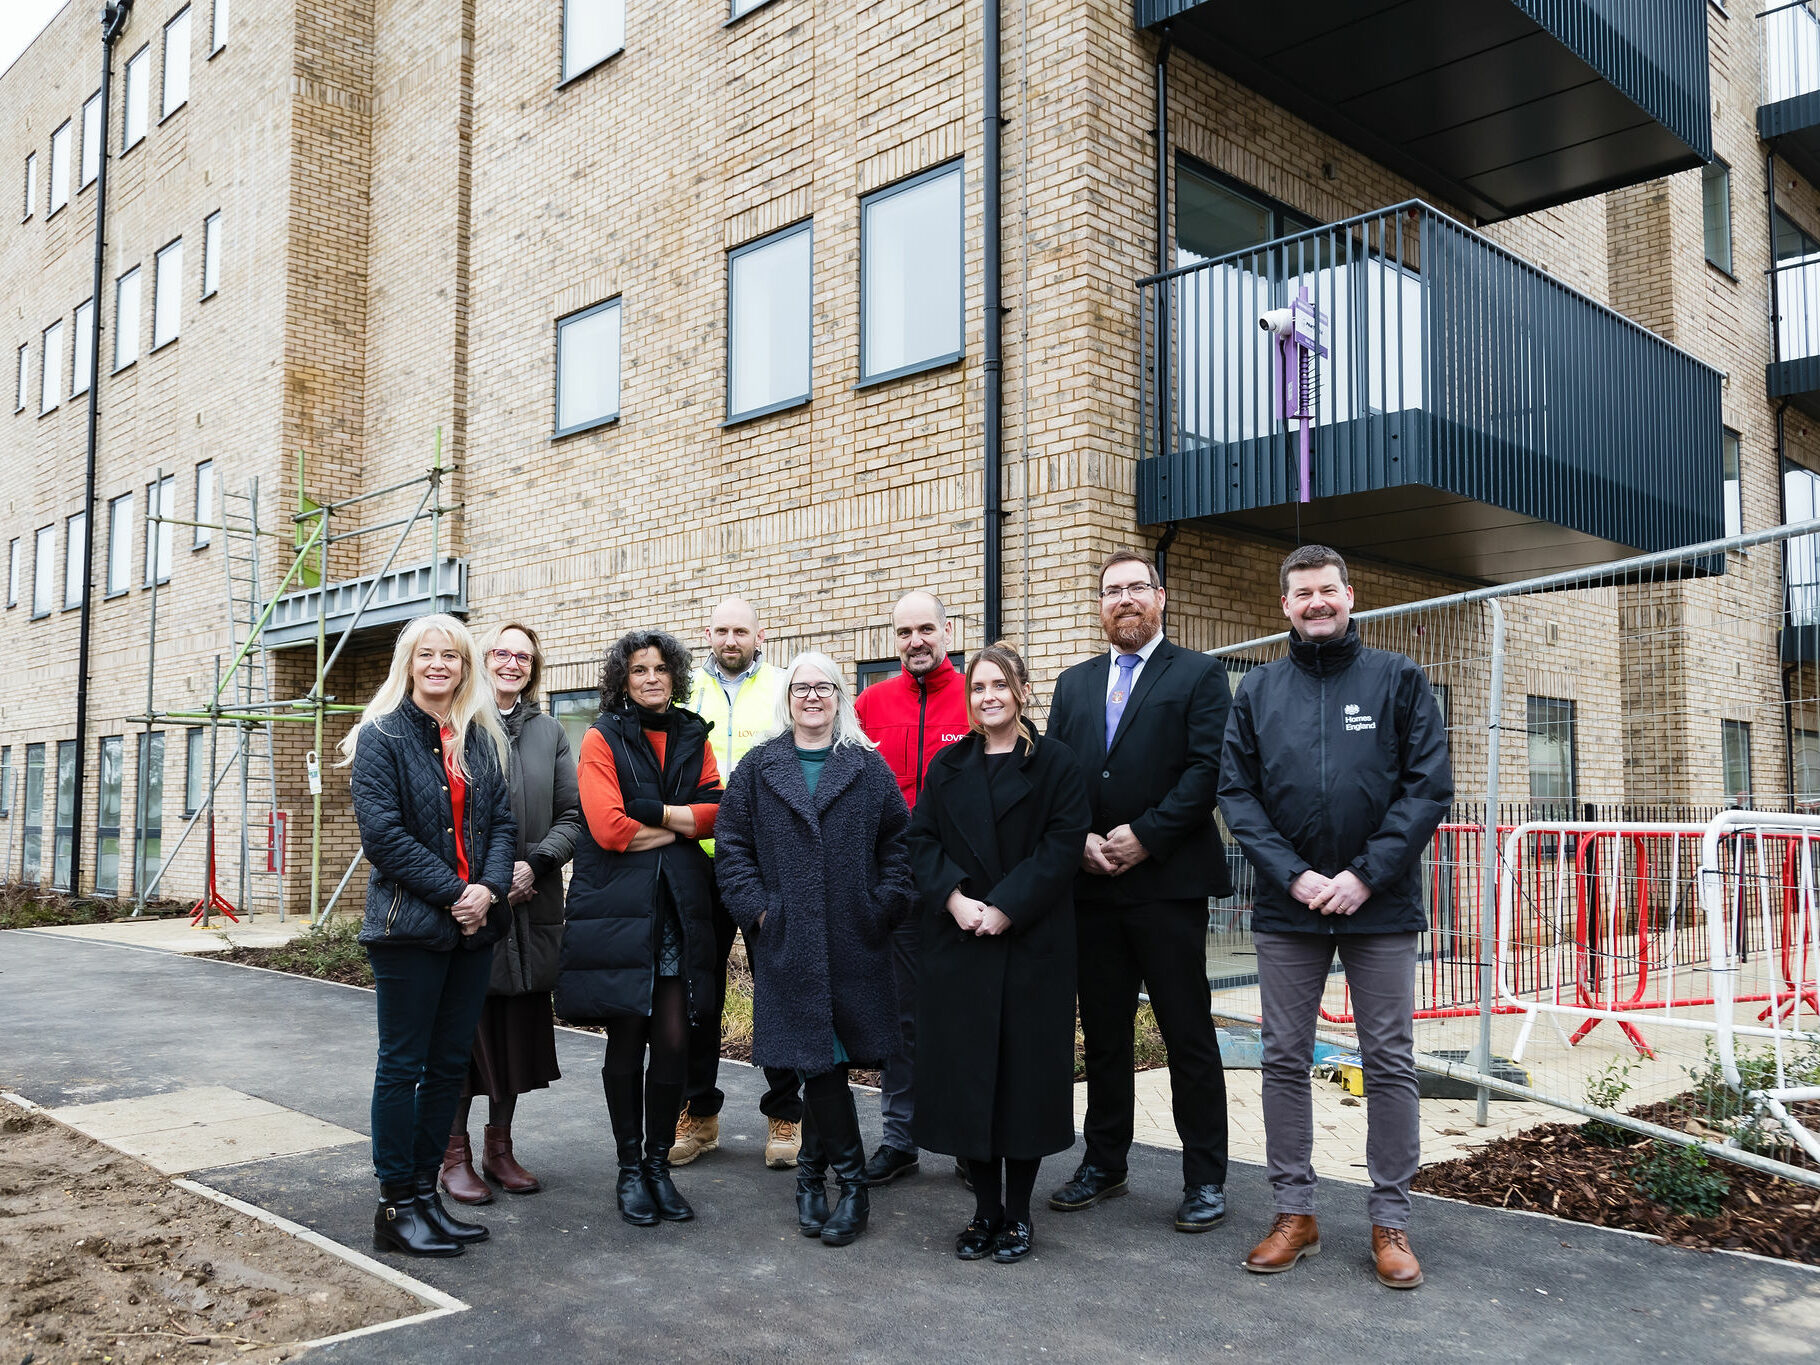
(218, 27)
(587, 367)
(575, 712)
(7, 780)
(592, 31)
(12, 572)
(1716, 213)
(60, 166)
(91, 138)
(44, 572)
(1735, 742)
(205, 503)
(24, 378)
(167, 295)
(195, 769)
(1734, 485)
(768, 328)
(126, 319)
(119, 544)
(137, 99)
(160, 501)
(148, 841)
(107, 816)
(31, 835)
(74, 581)
(31, 185)
(83, 367)
(1552, 787)
(910, 275)
(63, 842)
(50, 389)
(176, 62)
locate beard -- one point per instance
(733, 661)
(1128, 625)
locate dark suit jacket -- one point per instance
(1162, 776)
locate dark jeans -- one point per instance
(897, 1087)
(783, 1092)
(429, 1004)
(1163, 945)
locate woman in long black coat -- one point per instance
(994, 843)
(810, 855)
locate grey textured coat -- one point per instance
(831, 875)
(546, 804)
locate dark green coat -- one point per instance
(546, 803)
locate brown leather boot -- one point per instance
(1397, 1264)
(458, 1177)
(502, 1168)
(1292, 1236)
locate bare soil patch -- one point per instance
(103, 1259)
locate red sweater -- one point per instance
(910, 719)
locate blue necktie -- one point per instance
(1119, 695)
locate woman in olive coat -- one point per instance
(994, 844)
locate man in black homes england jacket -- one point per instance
(1144, 720)
(1334, 776)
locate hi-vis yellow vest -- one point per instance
(737, 727)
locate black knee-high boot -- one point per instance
(811, 1180)
(402, 1225)
(835, 1116)
(625, 1109)
(663, 1102)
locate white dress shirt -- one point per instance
(1143, 654)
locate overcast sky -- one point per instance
(23, 20)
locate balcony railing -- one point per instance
(1459, 377)
(1791, 50)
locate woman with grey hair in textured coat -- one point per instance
(812, 864)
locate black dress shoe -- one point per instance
(1202, 1207)
(1012, 1243)
(888, 1163)
(976, 1239)
(1087, 1187)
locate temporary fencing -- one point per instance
(1628, 863)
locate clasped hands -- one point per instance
(1340, 895)
(976, 917)
(1118, 850)
(470, 908)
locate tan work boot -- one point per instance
(1292, 1236)
(694, 1136)
(1396, 1264)
(783, 1139)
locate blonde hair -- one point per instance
(1002, 655)
(847, 729)
(472, 703)
(529, 692)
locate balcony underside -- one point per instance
(399, 596)
(1798, 381)
(1474, 100)
(1800, 644)
(1792, 128)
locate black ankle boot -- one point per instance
(671, 1206)
(441, 1219)
(635, 1203)
(811, 1182)
(401, 1225)
(837, 1121)
(626, 1108)
(663, 1102)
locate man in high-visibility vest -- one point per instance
(736, 691)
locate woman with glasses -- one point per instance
(515, 1045)
(812, 864)
(435, 816)
(638, 939)
(995, 841)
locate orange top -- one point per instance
(458, 799)
(603, 805)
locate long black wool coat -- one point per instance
(995, 1014)
(831, 875)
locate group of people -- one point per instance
(925, 885)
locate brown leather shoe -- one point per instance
(1397, 1264)
(1292, 1236)
(502, 1168)
(458, 1177)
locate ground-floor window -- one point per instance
(107, 816)
(31, 855)
(63, 837)
(148, 831)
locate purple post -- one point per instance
(1298, 339)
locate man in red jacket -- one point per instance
(910, 717)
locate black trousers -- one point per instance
(783, 1093)
(1161, 945)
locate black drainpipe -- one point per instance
(113, 20)
(1162, 264)
(992, 474)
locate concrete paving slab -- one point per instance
(178, 936)
(202, 1126)
(191, 1107)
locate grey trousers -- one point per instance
(897, 1088)
(1380, 972)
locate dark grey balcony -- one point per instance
(399, 596)
(1788, 117)
(1794, 368)
(1499, 107)
(1475, 416)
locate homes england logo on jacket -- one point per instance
(1354, 721)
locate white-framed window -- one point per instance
(91, 141)
(12, 572)
(218, 26)
(24, 377)
(119, 544)
(60, 164)
(160, 501)
(31, 185)
(75, 583)
(81, 367)
(51, 361)
(176, 63)
(136, 102)
(167, 294)
(44, 571)
(592, 31)
(910, 275)
(205, 504)
(126, 319)
(211, 254)
(768, 325)
(587, 367)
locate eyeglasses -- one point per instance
(823, 690)
(506, 656)
(1131, 590)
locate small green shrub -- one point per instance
(330, 952)
(1605, 1090)
(1681, 1179)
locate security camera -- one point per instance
(1279, 321)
